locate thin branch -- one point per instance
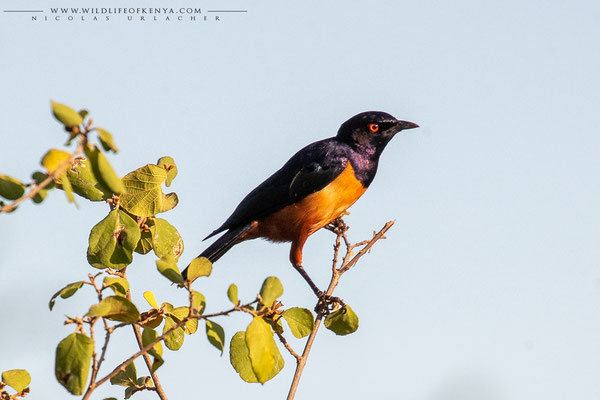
(35, 188)
(340, 228)
(287, 346)
(138, 337)
(149, 346)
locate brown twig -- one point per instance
(149, 346)
(138, 337)
(35, 188)
(287, 346)
(340, 228)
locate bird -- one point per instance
(313, 188)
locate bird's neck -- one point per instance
(364, 160)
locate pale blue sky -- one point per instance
(488, 286)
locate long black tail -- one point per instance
(222, 245)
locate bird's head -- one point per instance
(371, 129)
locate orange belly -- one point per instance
(310, 214)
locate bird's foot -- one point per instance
(328, 303)
(337, 226)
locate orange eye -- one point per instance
(373, 127)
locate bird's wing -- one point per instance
(308, 171)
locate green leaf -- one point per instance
(65, 292)
(342, 321)
(168, 268)
(232, 294)
(198, 302)
(215, 335)
(112, 241)
(73, 361)
(83, 113)
(264, 354)
(149, 296)
(107, 141)
(115, 308)
(130, 392)
(11, 188)
(200, 266)
(179, 314)
(66, 187)
(53, 159)
(109, 176)
(271, 289)
(145, 244)
(143, 194)
(84, 182)
(166, 240)
(240, 358)
(118, 285)
(174, 340)
(300, 320)
(66, 115)
(148, 336)
(17, 379)
(128, 377)
(103, 171)
(169, 165)
(39, 177)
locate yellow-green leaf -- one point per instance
(119, 285)
(198, 302)
(115, 308)
(11, 188)
(166, 240)
(143, 193)
(109, 176)
(169, 165)
(174, 340)
(232, 293)
(343, 321)
(84, 181)
(66, 187)
(148, 336)
(240, 358)
(126, 378)
(215, 335)
(53, 159)
(65, 292)
(180, 313)
(73, 360)
(107, 141)
(300, 320)
(66, 115)
(112, 241)
(263, 351)
(168, 268)
(200, 266)
(271, 289)
(17, 379)
(149, 296)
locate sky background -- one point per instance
(488, 286)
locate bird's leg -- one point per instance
(325, 300)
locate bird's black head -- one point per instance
(371, 130)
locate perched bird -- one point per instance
(313, 188)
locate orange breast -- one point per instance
(314, 211)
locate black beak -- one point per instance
(406, 125)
